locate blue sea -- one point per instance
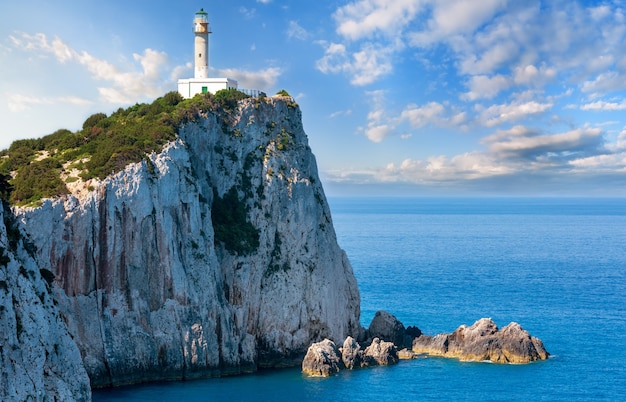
(556, 266)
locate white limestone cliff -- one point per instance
(147, 292)
(39, 361)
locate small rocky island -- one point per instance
(387, 341)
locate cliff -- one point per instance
(215, 256)
(38, 359)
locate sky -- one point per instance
(398, 97)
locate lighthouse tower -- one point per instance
(201, 83)
(201, 31)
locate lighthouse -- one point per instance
(201, 31)
(201, 82)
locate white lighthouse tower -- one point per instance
(201, 31)
(201, 83)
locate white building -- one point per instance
(201, 83)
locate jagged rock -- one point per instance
(158, 283)
(351, 353)
(483, 341)
(39, 361)
(386, 326)
(322, 359)
(380, 353)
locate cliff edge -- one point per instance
(215, 256)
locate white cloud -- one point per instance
(379, 125)
(530, 75)
(262, 79)
(608, 81)
(365, 66)
(482, 86)
(377, 133)
(453, 17)
(523, 142)
(609, 162)
(295, 31)
(362, 18)
(604, 106)
(264, 1)
(497, 114)
(127, 86)
(421, 116)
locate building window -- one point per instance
(205, 90)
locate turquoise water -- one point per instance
(556, 266)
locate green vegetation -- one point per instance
(229, 216)
(32, 169)
(228, 98)
(282, 92)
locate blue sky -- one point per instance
(399, 97)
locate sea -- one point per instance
(556, 266)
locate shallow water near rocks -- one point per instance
(556, 266)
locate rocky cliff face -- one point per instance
(39, 361)
(216, 256)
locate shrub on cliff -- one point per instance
(231, 224)
(228, 98)
(105, 144)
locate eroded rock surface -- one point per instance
(380, 353)
(322, 359)
(483, 341)
(216, 256)
(351, 353)
(39, 361)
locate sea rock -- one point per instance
(483, 341)
(215, 256)
(407, 354)
(386, 326)
(322, 359)
(39, 360)
(351, 353)
(380, 353)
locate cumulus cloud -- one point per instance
(362, 18)
(364, 66)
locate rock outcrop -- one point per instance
(386, 326)
(322, 359)
(39, 361)
(216, 256)
(351, 354)
(483, 341)
(380, 353)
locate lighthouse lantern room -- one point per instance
(201, 83)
